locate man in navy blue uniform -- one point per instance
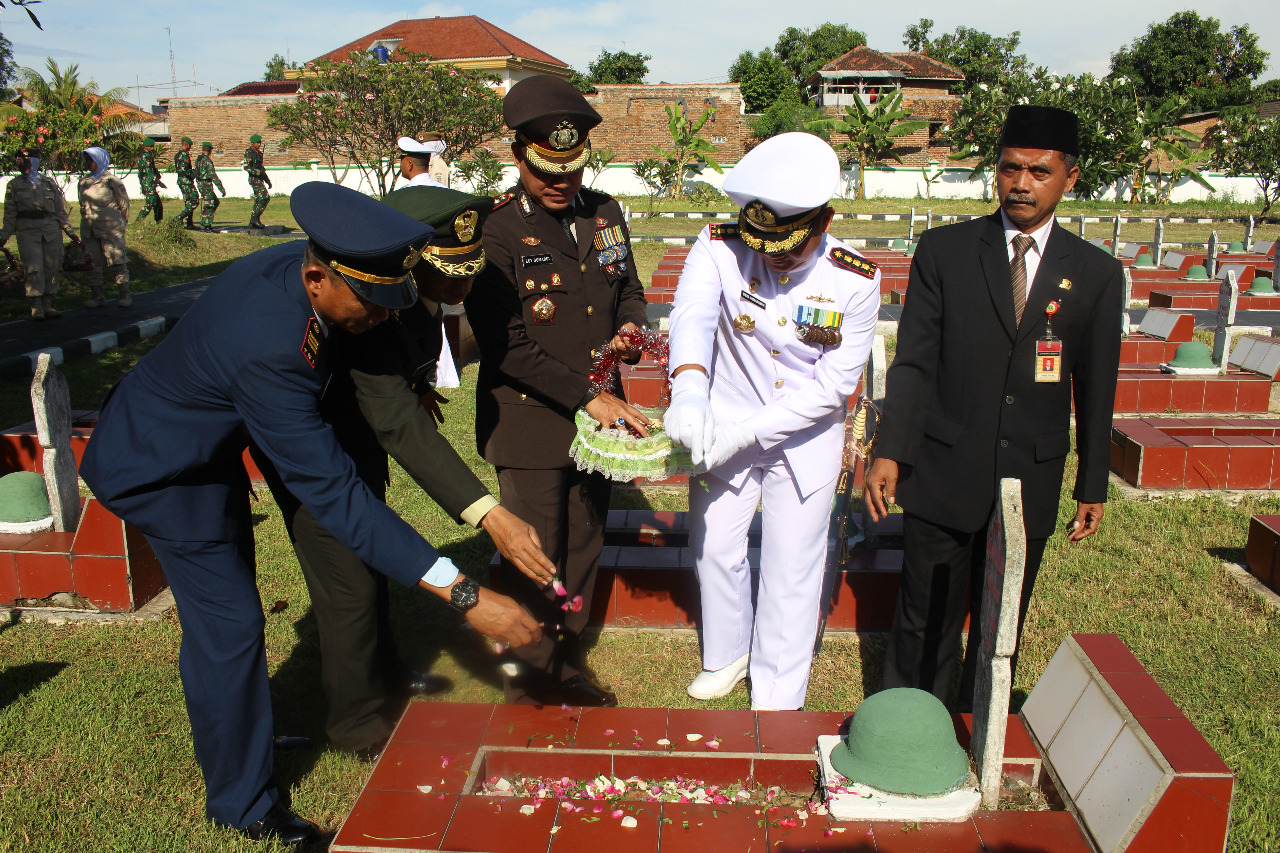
(249, 361)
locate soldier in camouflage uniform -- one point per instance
(257, 179)
(35, 211)
(206, 180)
(186, 183)
(149, 181)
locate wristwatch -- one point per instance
(465, 594)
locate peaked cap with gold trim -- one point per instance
(372, 246)
(782, 185)
(552, 120)
(456, 249)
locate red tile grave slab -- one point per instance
(100, 532)
(621, 728)
(811, 835)
(656, 598)
(544, 763)
(1260, 550)
(495, 825)
(404, 766)
(1108, 653)
(1155, 394)
(1250, 462)
(531, 726)
(927, 838)
(796, 732)
(1017, 742)
(792, 774)
(734, 730)
(1163, 467)
(1207, 465)
(1183, 746)
(103, 580)
(1023, 832)
(1191, 817)
(1253, 395)
(1187, 395)
(587, 832)
(396, 820)
(9, 591)
(1141, 694)
(709, 769)
(41, 575)
(51, 542)
(1126, 395)
(444, 722)
(1220, 395)
(693, 828)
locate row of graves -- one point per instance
(1098, 758)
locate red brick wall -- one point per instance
(635, 118)
(927, 99)
(228, 123)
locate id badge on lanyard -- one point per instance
(1049, 351)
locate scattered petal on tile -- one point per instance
(663, 742)
(526, 810)
(629, 822)
(426, 789)
(692, 737)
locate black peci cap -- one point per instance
(1047, 128)
(372, 246)
(552, 119)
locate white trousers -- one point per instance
(779, 630)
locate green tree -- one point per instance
(620, 67)
(276, 66)
(805, 51)
(870, 132)
(788, 113)
(1247, 145)
(762, 77)
(982, 57)
(1190, 55)
(8, 69)
(1267, 91)
(352, 112)
(1159, 142)
(581, 82)
(689, 152)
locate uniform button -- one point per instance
(524, 396)
(545, 287)
(590, 310)
(784, 280)
(779, 383)
(1004, 442)
(1009, 399)
(774, 352)
(582, 267)
(782, 321)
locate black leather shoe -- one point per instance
(425, 683)
(284, 744)
(581, 691)
(373, 752)
(283, 825)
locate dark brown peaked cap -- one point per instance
(537, 105)
(1047, 128)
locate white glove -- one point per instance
(688, 420)
(730, 440)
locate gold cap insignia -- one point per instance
(744, 323)
(758, 214)
(564, 137)
(464, 225)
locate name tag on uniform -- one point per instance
(1049, 359)
(535, 260)
(752, 298)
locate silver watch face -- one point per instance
(465, 594)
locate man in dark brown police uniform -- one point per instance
(560, 284)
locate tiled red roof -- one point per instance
(258, 87)
(462, 37)
(913, 66)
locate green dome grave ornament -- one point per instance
(902, 741)
(911, 250)
(24, 503)
(1197, 273)
(1262, 284)
(898, 243)
(1192, 358)
(1146, 259)
(1236, 247)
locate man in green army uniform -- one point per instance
(257, 179)
(35, 211)
(206, 180)
(186, 183)
(149, 181)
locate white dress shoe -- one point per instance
(714, 684)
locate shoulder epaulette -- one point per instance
(502, 199)
(724, 231)
(595, 195)
(850, 261)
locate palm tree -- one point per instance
(870, 132)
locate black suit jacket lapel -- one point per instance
(994, 257)
(1045, 285)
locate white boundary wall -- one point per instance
(618, 179)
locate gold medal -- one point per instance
(544, 310)
(744, 323)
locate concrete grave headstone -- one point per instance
(873, 383)
(1115, 237)
(1126, 326)
(1248, 234)
(911, 226)
(51, 403)
(1081, 231)
(1211, 262)
(1001, 595)
(1228, 295)
(1157, 244)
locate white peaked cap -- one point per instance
(790, 172)
(409, 145)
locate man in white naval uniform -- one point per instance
(415, 161)
(772, 325)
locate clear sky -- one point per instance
(220, 43)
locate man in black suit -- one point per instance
(1010, 318)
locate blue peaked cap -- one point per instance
(371, 245)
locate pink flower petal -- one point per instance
(576, 604)
(617, 813)
(446, 761)
(608, 732)
(559, 587)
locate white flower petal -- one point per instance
(629, 822)
(426, 789)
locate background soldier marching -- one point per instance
(206, 180)
(257, 179)
(149, 181)
(186, 183)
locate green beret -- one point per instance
(186, 139)
(208, 145)
(255, 138)
(148, 143)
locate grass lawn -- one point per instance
(95, 748)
